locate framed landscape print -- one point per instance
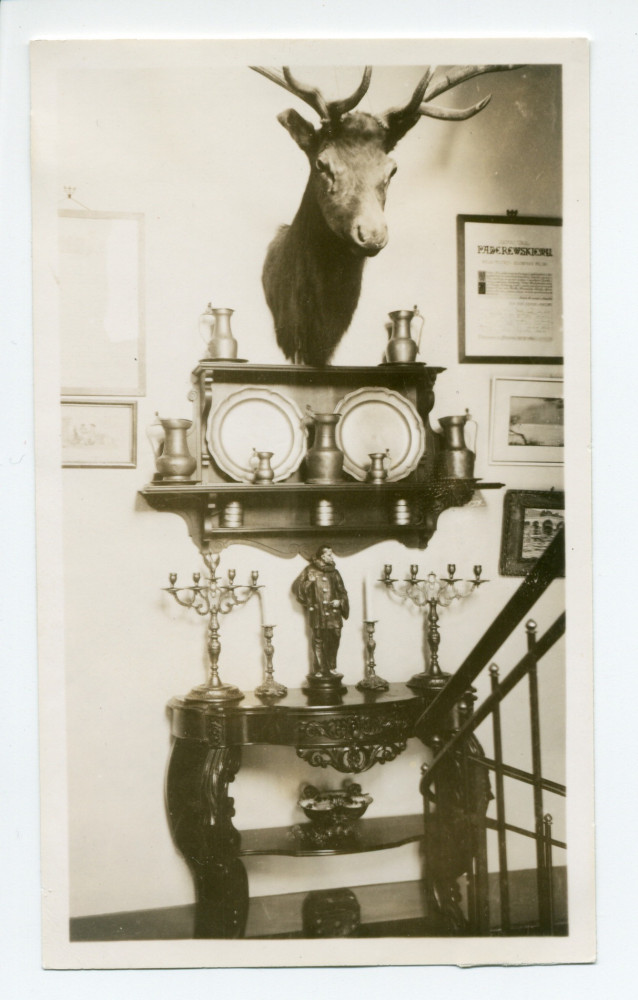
(510, 289)
(99, 434)
(527, 421)
(531, 518)
(101, 282)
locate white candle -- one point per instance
(264, 611)
(368, 600)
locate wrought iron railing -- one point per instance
(456, 785)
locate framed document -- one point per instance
(509, 289)
(101, 276)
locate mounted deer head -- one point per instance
(313, 268)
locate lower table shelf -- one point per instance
(374, 834)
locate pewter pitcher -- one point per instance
(173, 460)
(457, 458)
(324, 462)
(401, 349)
(217, 335)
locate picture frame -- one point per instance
(509, 289)
(530, 521)
(526, 423)
(101, 303)
(99, 434)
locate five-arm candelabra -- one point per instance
(432, 592)
(213, 599)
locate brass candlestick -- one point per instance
(270, 688)
(371, 681)
(432, 592)
(213, 599)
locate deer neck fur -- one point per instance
(311, 276)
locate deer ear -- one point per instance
(301, 130)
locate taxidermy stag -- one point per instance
(313, 268)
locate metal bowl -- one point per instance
(334, 807)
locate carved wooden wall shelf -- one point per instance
(278, 517)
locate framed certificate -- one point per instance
(509, 289)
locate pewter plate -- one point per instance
(378, 419)
(260, 419)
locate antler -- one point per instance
(398, 121)
(327, 110)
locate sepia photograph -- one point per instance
(310, 716)
(528, 417)
(531, 519)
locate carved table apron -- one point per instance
(365, 728)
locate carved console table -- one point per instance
(365, 729)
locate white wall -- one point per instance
(195, 146)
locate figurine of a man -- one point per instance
(320, 591)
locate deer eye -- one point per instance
(323, 167)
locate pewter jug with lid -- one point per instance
(173, 460)
(214, 326)
(457, 458)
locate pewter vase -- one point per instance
(263, 471)
(457, 460)
(377, 473)
(401, 349)
(173, 459)
(324, 462)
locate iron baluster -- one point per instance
(503, 874)
(549, 868)
(541, 872)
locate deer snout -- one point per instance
(370, 238)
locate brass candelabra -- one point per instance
(431, 593)
(212, 599)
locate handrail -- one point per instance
(553, 633)
(550, 565)
(509, 771)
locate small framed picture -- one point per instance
(510, 289)
(527, 424)
(531, 518)
(99, 434)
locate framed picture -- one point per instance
(101, 280)
(531, 518)
(99, 435)
(527, 421)
(510, 289)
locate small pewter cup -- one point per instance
(324, 514)
(401, 514)
(233, 515)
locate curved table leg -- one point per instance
(200, 813)
(455, 839)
